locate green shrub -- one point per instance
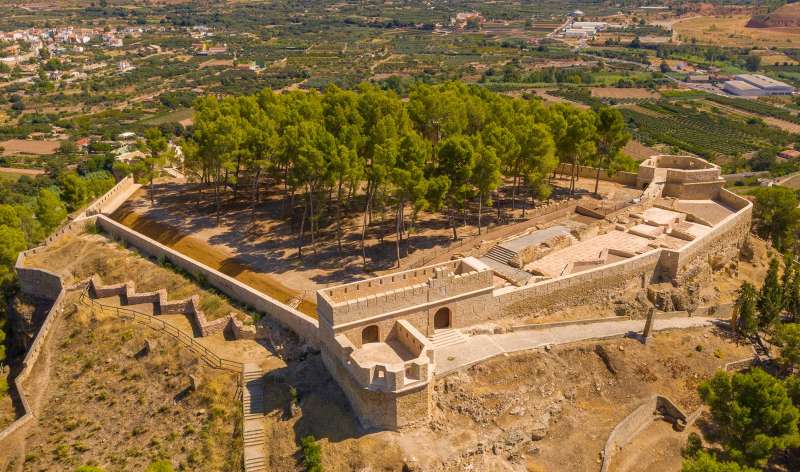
(160, 466)
(89, 468)
(693, 445)
(312, 454)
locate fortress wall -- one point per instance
(385, 410)
(303, 325)
(692, 176)
(385, 283)
(578, 286)
(693, 191)
(372, 305)
(728, 234)
(393, 300)
(465, 311)
(31, 375)
(104, 204)
(39, 283)
(732, 200)
(43, 283)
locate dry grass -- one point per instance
(731, 31)
(80, 257)
(109, 405)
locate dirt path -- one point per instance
(485, 346)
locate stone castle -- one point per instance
(380, 337)
(387, 338)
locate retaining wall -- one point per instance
(303, 325)
(639, 419)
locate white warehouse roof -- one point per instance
(762, 81)
(740, 87)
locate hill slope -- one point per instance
(787, 16)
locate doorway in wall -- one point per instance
(441, 320)
(370, 335)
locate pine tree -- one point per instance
(754, 414)
(746, 322)
(770, 297)
(792, 297)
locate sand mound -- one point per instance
(787, 16)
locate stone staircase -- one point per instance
(447, 337)
(500, 254)
(253, 431)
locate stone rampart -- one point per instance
(112, 200)
(30, 374)
(729, 233)
(382, 409)
(303, 325)
(551, 291)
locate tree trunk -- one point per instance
(453, 223)
(480, 209)
(312, 219)
(398, 217)
(302, 231)
(152, 190)
(597, 181)
(572, 177)
(236, 186)
(514, 191)
(254, 197)
(364, 231)
(339, 218)
(216, 195)
(285, 191)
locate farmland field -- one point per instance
(616, 92)
(26, 146)
(731, 31)
(703, 133)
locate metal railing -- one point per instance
(162, 325)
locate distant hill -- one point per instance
(787, 16)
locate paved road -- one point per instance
(486, 346)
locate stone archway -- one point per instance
(442, 319)
(370, 334)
